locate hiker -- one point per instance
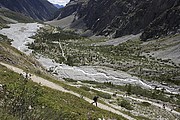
(30, 75)
(21, 74)
(164, 106)
(26, 76)
(95, 100)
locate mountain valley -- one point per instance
(112, 49)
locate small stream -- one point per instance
(100, 74)
(91, 73)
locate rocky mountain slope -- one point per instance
(37, 9)
(116, 18)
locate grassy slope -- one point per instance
(14, 57)
(56, 103)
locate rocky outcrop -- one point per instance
(166, 24)
(37, 9)
(153, 18)
(73, 7)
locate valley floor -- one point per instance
(20, 34)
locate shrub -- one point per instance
(109, 84)
(146, 104)
(69, 80)
(102, 94)
(125, 104)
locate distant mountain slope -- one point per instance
(7, 16)
(37, 9)
(6, 13)
(154, 18)
(58, 6)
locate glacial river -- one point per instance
(20, 34)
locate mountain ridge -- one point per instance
(117, 18)
(36, 9)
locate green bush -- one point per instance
(109, 84)
(146, 104)
(89, 82)
(102, 94)
(125, 104)
(69, 80)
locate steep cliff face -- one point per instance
(37, 9)
(122, 17)
(73, 7)
(166, 24)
